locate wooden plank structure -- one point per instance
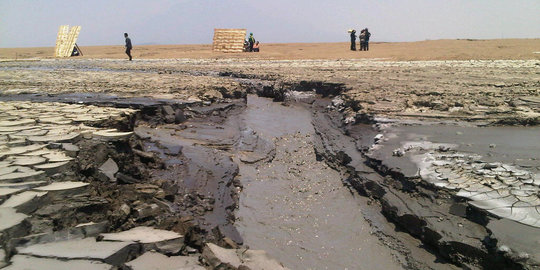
(65, 42)
(60, 39)
(229, 40)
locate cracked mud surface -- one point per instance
(467, 194)
(481, 91)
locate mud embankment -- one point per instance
(464, 235)
(468, 235)
(203, 177)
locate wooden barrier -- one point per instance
(65, 41)
(60, 40)
(229, 40)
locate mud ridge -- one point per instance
(436, 217)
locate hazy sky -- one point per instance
(34, 23)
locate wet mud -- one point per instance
(295, 206)
(480, 174)
(269, 189)
(202, 174)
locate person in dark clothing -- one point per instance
(251, 42)
(353, 40)
(366, 44)
(128, 46)
(362, 38)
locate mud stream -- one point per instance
(252, 170)
(297, 207)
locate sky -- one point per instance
(34, 23)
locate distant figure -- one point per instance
(366, 45)
(256, 47)
(128, 46)
(362, 38)
(353, 40)
(251, 42)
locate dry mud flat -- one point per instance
(492, 91)
(198, 154)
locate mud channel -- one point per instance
(294, 168)
(295, 206)
(285, 198)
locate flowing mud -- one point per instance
(259, 157)
(296, 207)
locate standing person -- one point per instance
(251, 42)
(353, 40)
(128, 45)
(368, 34)
(362, 38)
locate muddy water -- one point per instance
(295, 207)
(517, 145)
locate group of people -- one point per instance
(250, 45)
(364, 39)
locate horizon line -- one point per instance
(322, 42)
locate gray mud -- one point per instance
(261, 159)
(201, 172)
(295, 207)
(253, 172)
(476, 186)
(516, 145)
(218, 167)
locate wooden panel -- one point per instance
(60, 39)
(66, 40)
(229, 40)
(72, 38)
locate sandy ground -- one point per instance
(422, 50)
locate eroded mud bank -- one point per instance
(260, 157)
(73, 175)
(483, 180)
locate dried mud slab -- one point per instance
(154, 260)
(113, 253)
(20, 262)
